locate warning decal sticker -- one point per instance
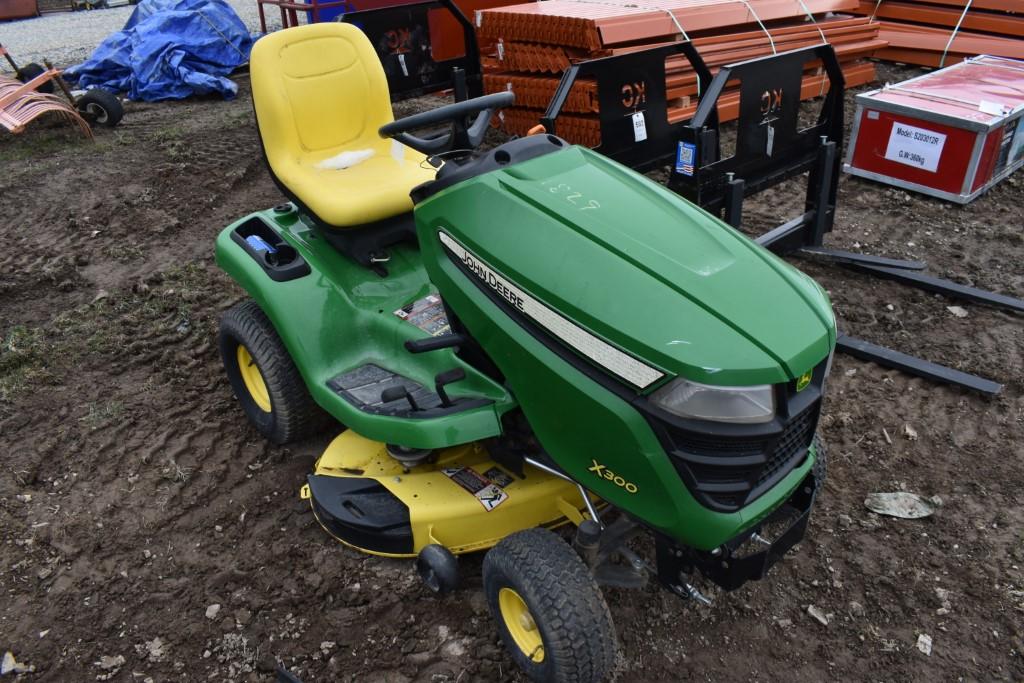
(491, 497)
(913, 146)
(498, 476)
(427, 314)
(484, 490)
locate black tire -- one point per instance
(820, 468)
(563, 603)
(438, 568)
(100, 107)
(292, 413)
(30, 71)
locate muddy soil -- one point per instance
(149, 533)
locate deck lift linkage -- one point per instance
(770, 148)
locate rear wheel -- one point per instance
(30, 71)
(268, 385)
(551, 614)
(100, 107)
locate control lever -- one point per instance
(397, 393)
(444, 378)
(434, 343)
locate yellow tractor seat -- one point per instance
(320, 95)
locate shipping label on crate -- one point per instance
(1012, 149)
(913, 146)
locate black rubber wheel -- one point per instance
(264, 378)
(100, 107)
(438, 568)
(820, 468)
(550, 612)
(30, 71)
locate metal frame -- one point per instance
(643, 72)
(411, 79)
(290, 10)
(770, 146)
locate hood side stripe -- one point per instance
(597, 350)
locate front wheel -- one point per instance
(820, 467)
(268, 385)
(550, 612)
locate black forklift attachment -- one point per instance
(635, 130)
(770, 145)
(402, 37)
(770, 148)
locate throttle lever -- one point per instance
(444, 378)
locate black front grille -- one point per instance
(732, 473)
(790, 449)
(729, 466)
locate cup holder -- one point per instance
(267, 247)
(283, 256)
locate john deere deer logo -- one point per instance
(771, 100)
(634, 94)
(803, 381)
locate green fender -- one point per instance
(342, 315)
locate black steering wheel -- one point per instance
(459, 135)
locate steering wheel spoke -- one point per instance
(458, 135)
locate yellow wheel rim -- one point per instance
(520, 624)
(253, 379)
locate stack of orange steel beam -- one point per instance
(535, 42)
(944, 32)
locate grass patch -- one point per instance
(23, 355)
(101, 412)
(40, 140)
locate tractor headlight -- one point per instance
(744, 405)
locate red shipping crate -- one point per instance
(952, 133)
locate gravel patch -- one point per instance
(67, 38)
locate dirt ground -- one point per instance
(149, 533)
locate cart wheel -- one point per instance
(264, 378)
(550, 612)
(438, 568)
(30, 71)
(100, 107)
(820, 468)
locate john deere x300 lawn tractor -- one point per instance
(533, 350)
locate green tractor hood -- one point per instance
(638, 267)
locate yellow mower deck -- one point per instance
(463, 500)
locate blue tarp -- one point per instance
(168, 50)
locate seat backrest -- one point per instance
(317, 89)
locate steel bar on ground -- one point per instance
(890, 358)
(840, 256)
(940, 286)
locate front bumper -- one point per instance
(731, 565)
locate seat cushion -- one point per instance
(372, 189)
(319, 92)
